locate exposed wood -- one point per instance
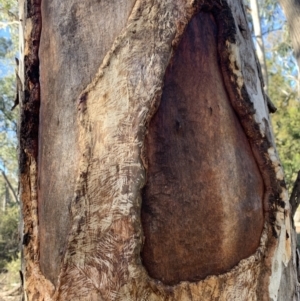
(202, 206)
(36, 286)
(101, 257)
(81, 34)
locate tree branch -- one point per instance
(10, 14)
(295, 196)
(4, 24)
(10, 186)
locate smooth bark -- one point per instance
(260, 49)
(292, 12)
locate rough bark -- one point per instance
(90, 141)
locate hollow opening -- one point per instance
(202, 203)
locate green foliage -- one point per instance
(282, 86)
(5, 46)
(9, 209)
(8, 124)
(10, 279)
(8, 117)
(9, 22)
(286, 123)
(9, 242)
(282, 89)
(8, 10)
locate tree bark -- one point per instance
(154, 176)
(260, 49)
(292, 10)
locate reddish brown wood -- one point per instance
(202, 204)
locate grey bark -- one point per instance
(292, 12)
(260, 48)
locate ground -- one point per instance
(10, 283)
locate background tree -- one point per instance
(8, 123)
(292, 9)
(260, 47)
(282, 75)
(9, 204)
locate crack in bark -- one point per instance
(35, 285)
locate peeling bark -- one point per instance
(100, 251)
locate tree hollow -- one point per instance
(202, 203)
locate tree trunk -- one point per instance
(260, 48)
(292, 12)
(154, 176)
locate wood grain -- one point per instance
(202, 205)
(76, 36)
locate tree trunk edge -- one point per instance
(291, 10)
(36, 286)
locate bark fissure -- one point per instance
(35, 284)
(75, 38)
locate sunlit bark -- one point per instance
(292, 12)
(148, 166)
(260, 48)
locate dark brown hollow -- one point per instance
(202, 204)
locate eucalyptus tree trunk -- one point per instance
(260, 47)
(148, 167)
(292, 12)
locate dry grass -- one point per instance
(10, 282)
